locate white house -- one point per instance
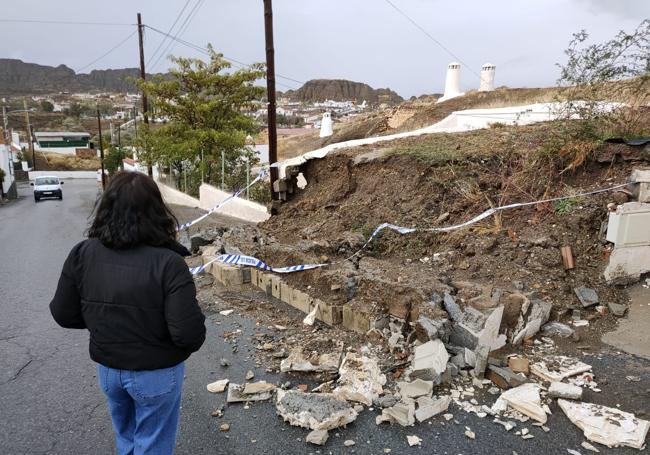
(8, 183)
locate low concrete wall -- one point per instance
(172, 196)
(238, 208)
(65, 174)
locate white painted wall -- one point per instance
(6, 164)
(64, 174)
(172, 196)
(238, 208)
(59, 150)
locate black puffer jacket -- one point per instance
(139, 305)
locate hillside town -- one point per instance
(213, 256)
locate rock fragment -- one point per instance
(403, 413)
(348, 443)
(299, 360)
(317, 437)
(317, 411)
(218, 386)
(557, 368)
(587, 296)
(413, 440)
(617, 309)
(557, 329)
(250, 375)
(253, 388)
(236, 393)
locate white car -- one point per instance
(47, 186)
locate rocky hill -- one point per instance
(18, 77)
(342, 90)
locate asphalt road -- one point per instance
(50, 402)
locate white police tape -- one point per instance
(250, 261)
(259, 177)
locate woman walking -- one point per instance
(130, 287)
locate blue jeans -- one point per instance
(145, 408)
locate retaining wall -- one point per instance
(172, 196)
(244, 209)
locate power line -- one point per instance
(442, 46)
(108, 52)
(205, 51)
(36, 21)
(169, 31)
(181, 30)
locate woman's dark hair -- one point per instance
(131, 212)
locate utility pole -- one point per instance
(30, 136)
(101, 149)
(135, 121)
(119, 144)
(145, 107)
(270, 92)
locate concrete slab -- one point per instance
(633, 332)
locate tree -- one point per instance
(616, 70)
(113, 159)
(205, 108)
(47, 106)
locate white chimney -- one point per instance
(326, 125)
(452, 83)
(487, 77)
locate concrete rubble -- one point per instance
(317, 437)
(316, 362)
(403, 413)
(557, 329)
(415, 389)
(587, 296)
(430, 407)
(525, 399)
(429, 361)
(557, 368)
(255, 388)
(413, 440)
(360, 379)
(237, 392)
(218, 386)
(531, 319)
(317, 411)
(567, 391)
(608, 426)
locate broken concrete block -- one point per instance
(360, 379)
(428, 329)
(415, 389)
(385, 401)
(452, 308)
(587, 296)
(556, 368)
(526, 400)
(482, 352)
(403, 413)
(504, 378)
(236, 394)
(429, 361)
(317, 411)
(218, 386)
(429, 407)
(463, 335)
(302, 359)
(317, 437)
(562, 390)
(557, 329)
(627, 264)
(254, 388)
(490, 336)
(301, 301)
(329, 314)
(608, 426)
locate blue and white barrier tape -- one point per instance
(259, 177)
(254, 262)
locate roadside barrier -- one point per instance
(251, 261)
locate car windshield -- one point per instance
(47, 181)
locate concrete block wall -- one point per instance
(274, 286)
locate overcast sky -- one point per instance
(361, 40)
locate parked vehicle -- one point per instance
(47, 186)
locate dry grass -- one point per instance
(60, 162)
